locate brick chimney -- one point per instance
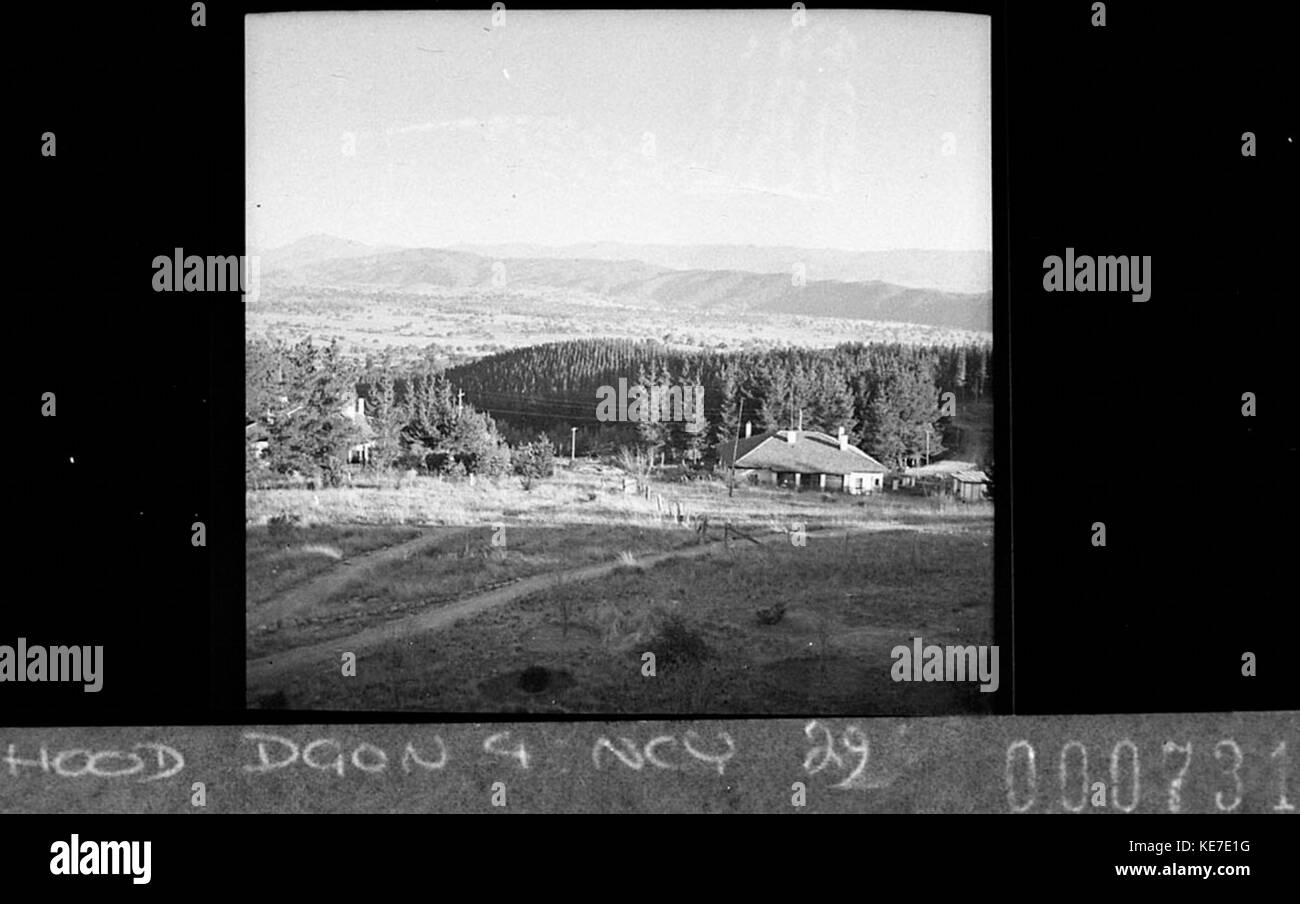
(844, 441)
(749, 428)
(790, 436)
(361, 408)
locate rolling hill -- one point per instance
(338, 264)
(949, 271)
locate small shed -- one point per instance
(970, 486)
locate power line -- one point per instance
(566, 416)
(548, 407)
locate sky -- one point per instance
(858, 130)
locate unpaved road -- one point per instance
(348, 571)
(259, 670)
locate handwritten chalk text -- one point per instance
(328, 755)
(79, 761)
(635, 757)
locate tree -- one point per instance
(729, 396)
(262, 391)
(386, 420)
(775, 408)
(438, 435)
(982, 373)
(804, 410)
(475, 446)
(903, 409)
(650, 429)
(831, 400)
(430, 414)
(533, 461)
(314, 435)
(695, 433)
(690, 435)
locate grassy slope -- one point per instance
(277, 560)
(924, 567)
(452, 567)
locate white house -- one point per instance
(804, 459)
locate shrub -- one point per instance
(282, 524)
(534, 679)
(533, 461)
(677, 642)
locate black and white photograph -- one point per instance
(506, 410)
(620, 362)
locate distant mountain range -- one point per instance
(314, 249)
(733, 279)
(948, 271)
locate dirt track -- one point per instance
(336, 579)
(433, 620)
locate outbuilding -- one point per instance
(970, 486)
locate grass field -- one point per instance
(277, 560)
(874, 573)
(452, 564)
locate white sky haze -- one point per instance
(860, 130)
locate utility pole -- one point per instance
(460, 402)
(927, 445)
(573, 444)
(734, 444)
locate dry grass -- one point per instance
(280, 558)
(567, 499)
(453, 563)
(875, 571)
(846, 610)
(320, 549)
